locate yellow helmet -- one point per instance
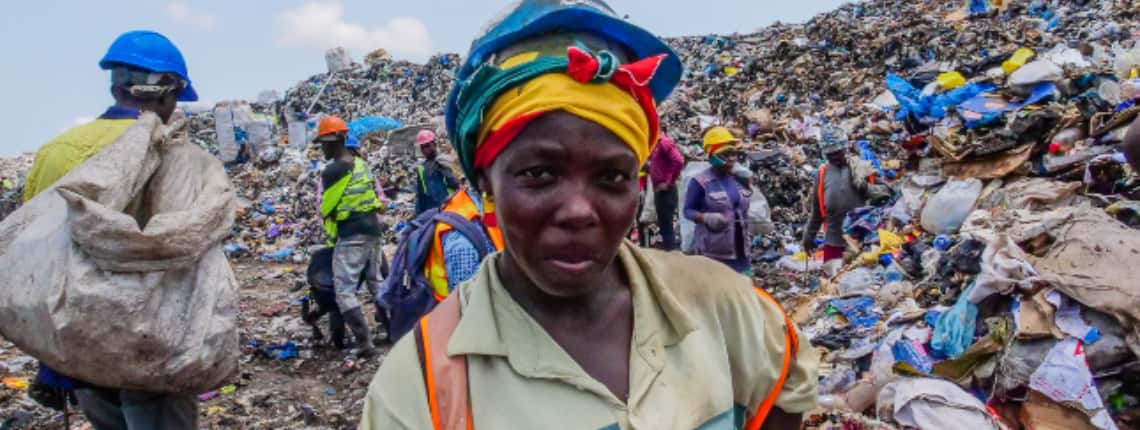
(719, 139)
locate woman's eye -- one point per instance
(536, 173)
(614, 177)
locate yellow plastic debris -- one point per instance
(13, 383)
(951, 80)
(889, 242)
(228, 389)
(731, 71)
(1018, 59)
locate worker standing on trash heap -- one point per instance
(718, 204)
(148, 74)
(348, 206)
(840, 186)
(436, 181)
(665, 166)
(552, 116)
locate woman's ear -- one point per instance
(483, 183)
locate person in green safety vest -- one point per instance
(348, 206)
(435, 181)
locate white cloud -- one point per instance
(181, 13)
(321, 25)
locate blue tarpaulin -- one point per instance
(859, 311)
(936, 106)
(985, 109)
(370, 124)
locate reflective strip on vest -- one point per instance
(435, 271)
(822, 206)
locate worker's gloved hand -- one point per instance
(715, 221)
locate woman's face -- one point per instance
(565, 195)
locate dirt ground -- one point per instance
(322, 388)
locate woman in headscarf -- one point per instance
(718, 204)
(570, 326)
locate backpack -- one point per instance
(406, 292)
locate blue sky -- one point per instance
(237, 48)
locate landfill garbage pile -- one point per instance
(987, 292)
(13, 170)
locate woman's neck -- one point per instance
(595, 301)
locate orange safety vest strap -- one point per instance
(445, 377)
(791, 339)
(822, 206)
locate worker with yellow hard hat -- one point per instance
(718, 203)
(348, 206)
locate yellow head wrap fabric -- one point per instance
(604, 104)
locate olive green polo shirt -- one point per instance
(706, 351)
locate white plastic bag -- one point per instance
(690, 171)
(648, 207)
(1036, 71)
(116, 276)
(948, 209)
(224, 127)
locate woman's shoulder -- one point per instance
(695, 278)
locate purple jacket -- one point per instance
(666, 162)
(721, 245)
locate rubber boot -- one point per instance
(355, 321)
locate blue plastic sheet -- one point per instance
(859, 311)
(914, 353)
(954, 331)
(977, 7)
(986, 109)
(370, 124)
(933, 107)
(281, 352)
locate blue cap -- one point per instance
(532, 18)
(150, 51)
(351, 143)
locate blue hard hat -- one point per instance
(530, 18)
(351, 143)
(150, 51)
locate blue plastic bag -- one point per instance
(858, 311)
(954, 331)
(913, 353)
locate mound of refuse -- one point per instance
(987, 292)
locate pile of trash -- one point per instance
(13, 170)
(987, 292)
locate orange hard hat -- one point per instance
(330, 125)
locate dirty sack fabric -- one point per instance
(1004, 268)
(1080, 251)
(1034, 194)
(116, 275)
(927, 403)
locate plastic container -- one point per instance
(1018, 59)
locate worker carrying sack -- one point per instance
(116, 276)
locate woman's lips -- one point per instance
(574, 267)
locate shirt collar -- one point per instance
(120, 112)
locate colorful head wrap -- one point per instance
(593, 88)
(551, 59)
